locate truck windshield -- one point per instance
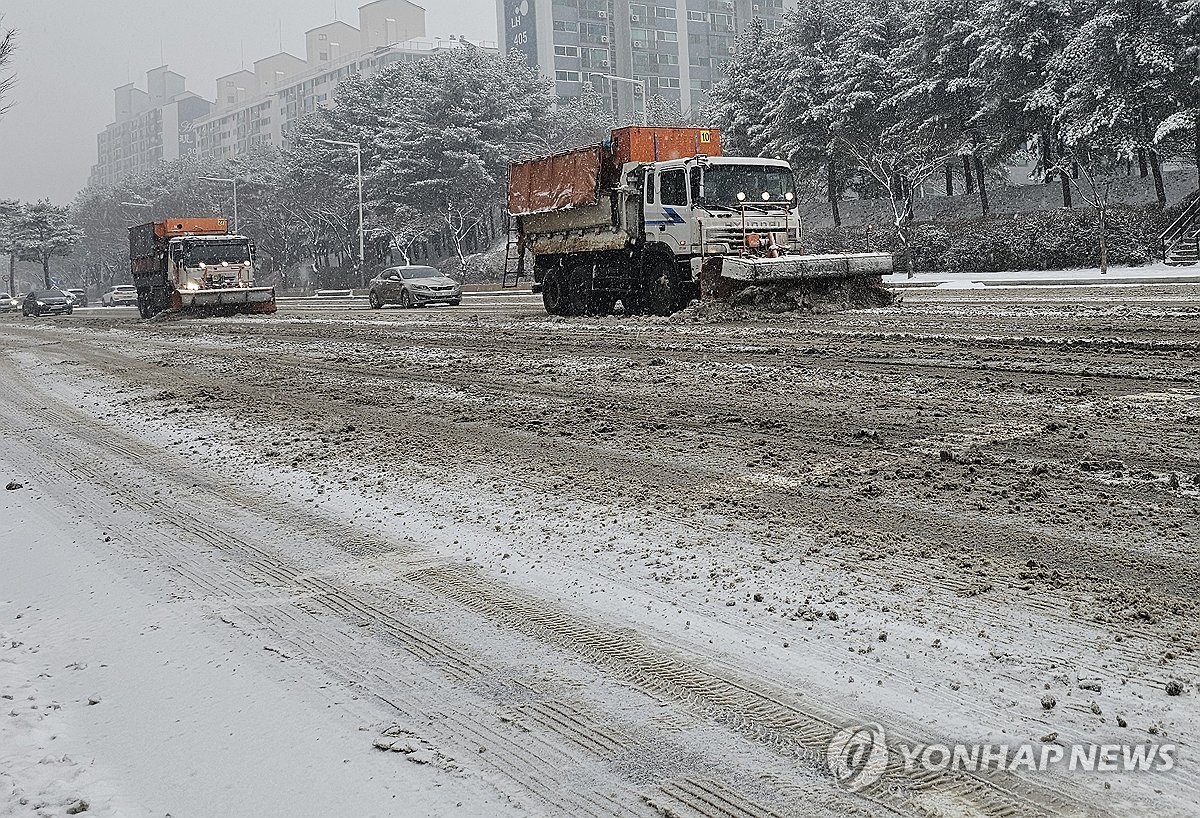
(723, 183)
(215, 252)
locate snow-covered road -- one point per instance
(600, 567)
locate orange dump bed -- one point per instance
(560, 182)
(664, 144)
(213, 226)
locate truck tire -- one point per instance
(556, 293)
(659, 295)
(144, 303)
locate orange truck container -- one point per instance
(664, 144)
(213, 226)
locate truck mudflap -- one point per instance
(803, 268)
(243, 300)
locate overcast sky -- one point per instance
(73, 53)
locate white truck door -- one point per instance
(670, 217)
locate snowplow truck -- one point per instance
(195, 265)
(655, 218)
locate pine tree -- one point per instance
(1183, 124)
(43, 231)
(939, 90)
(1118, 74)
(10, 210)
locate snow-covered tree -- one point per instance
(1015, 42)
(888, 136)
(1118, 76)
(800, 129)
(10, 209)
(938, 90)
(582, 120)
(1094, 176)
(1183, 124)
(747, 99)
(438, 137)
(44, 230)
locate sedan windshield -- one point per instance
(420, 272)
(723, 183)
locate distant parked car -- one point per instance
(7, 303)
(122, 295)
(413, 286)
(46, 302)
(80, 296)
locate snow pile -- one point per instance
(759, 301)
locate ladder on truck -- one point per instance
(514, 257)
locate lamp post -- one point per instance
(644, 83)
(233, 182)
(362, 239)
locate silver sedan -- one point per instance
(413, 286)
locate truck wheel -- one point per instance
(556, 293)
(661, 296)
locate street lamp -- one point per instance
(644, 83)
(235, 202)
(362, 240)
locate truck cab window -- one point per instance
(650, 186)
(673, 184)
(694, 183)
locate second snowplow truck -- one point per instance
(195, 265)
(656, 217)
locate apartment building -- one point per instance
(675, 47)
(260, 105)
(149, 126)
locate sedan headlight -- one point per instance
(41, 303)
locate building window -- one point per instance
(566, 51)
(564, 25)
(664, 12)
(566, 76)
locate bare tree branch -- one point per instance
(8, 47)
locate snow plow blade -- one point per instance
(805, 268)
(242, 300)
